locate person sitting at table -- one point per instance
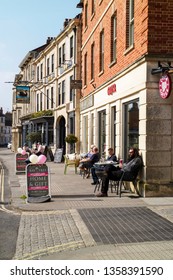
(88, 155)
(111, 157)
(130, 170)
(87, 163)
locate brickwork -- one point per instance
(101, 20)
(150, 19)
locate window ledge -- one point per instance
(92, 81)
(85, 28)
(112, 63)
(101, 73)
(129, 49)
(92, 16)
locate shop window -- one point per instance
(51, 134)
(113, 128)
(102, 132)
(131, 126)
(85, 134)
(92, 129)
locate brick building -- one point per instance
(126, 99)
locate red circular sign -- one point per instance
(165, 86)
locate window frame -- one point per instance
(101, 64)
(86, 15)
(71, 46)
(92, 61)
(113, 53)
(63, 92)
(52, 63)
(48, 66)
(85, 68)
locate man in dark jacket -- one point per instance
(130, 170)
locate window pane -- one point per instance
(131, 120)
(102, 132)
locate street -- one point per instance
(76, 224)
(9, 220)
(8, 234)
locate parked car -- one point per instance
(9, 146)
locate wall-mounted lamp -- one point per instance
(162, 69)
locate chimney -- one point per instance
(49, 39)
(66, 22)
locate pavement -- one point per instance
(77, 225)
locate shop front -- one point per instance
(43, 126)
(129, 111)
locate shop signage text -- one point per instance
(111, 89)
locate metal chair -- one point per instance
(121, 187)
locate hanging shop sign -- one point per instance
(111, 89)
(37, 183)
(165, 86)
(75, 84)
(22, 94)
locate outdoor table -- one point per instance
(100, 164)
(99, 170)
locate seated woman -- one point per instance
(87, 163)
(130, 171)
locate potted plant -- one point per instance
(71, 139)
(33, 137)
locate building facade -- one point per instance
(126, 53)
(52, 108)
(5, 128)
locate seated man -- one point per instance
(111, 157)
(130, 170)
(87, 163)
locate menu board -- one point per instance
(20, 163)
(58, 155)
(37, 182)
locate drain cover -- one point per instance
(126, 225)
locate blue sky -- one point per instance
(25, 25)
